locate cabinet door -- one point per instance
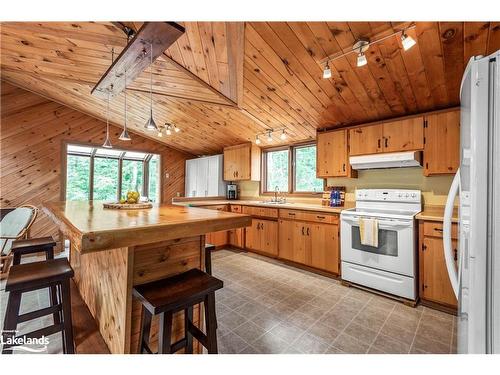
(242, 162)
(365, 140)
(235, 237)
(252, 235)
(436, 284)
(230, 164)
(269, 237)
(202, 177)
(285, 240)
(442, 143)
(213, 176)
(403, 135)
(301, 243)
(325, 247)
(191, 177)
(331, 154)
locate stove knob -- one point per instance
(399, 195)
(407, 195)
(413, 195)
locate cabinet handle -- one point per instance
(308, 231)
(237, 173)
(455, 257)
(302, 230)
(343, 167)
(379, 143)
(320, 217)
(386, 142)
(291, 214)
(261, 225)
(438, 229)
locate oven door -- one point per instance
(395, 251)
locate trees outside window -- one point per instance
(305, 170)
(78, 178)
(277, 165)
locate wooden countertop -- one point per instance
(290, 205)
(435, 213)
(92, 227)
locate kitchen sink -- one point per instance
(271, 202)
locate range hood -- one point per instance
(389, 160)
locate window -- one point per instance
(277, 162)
(305, 170)
(291, 169)
(107, 174)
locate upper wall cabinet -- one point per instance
(393, 136)
(204, 177)
(366, 140)
(442, 143)
(242, 162)
(332, 155)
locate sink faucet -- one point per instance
(276, 192)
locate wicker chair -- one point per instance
(15, 225)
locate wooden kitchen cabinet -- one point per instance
(365, 140)
(262, 236)
(325, 250)
(442, 143)
(332, 158)
(236, 237)
(435, 285)
(312, 244)
(403, 135)
(242, 162)
(391, 136)
(217, 238)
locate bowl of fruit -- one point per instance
(131, 201)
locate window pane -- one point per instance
(135, 155)
(105, 179)
(305, 170)
(108, 152)
(77, 178)
(79, 149)
(154, 173)
(277, 170)
(131, 176)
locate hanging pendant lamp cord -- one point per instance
(125, 93)
(151, 79)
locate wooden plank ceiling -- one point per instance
(222, 88)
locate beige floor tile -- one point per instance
(325, 332)
(301, 320)
(267, 320)
(271, 344)
(390, 345)
(334, 350)
(231, 343)
(430, 346)
(360, 332)
(250, 309)
(249, 331)
(232, 319)
(349, 344)
(309, 343)
(396, 332)
(287, 331)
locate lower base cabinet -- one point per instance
(262, 236)
(235, 237)
(217, 238)
(311, 244)
(435, 284)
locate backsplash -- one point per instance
(434, 189)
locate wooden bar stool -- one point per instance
(208, 257)
(52, 273)
(31, 246)
(168, 296)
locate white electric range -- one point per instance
(391, 266)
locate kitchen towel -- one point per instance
(368, 231)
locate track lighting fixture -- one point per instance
(327, 72)
(407, 41)
(160, 133)
(283, 135)
(176, 129)
(361, 46)
(169, 129)
(269, 135)
(257, 140)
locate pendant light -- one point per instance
(176, 129)
(151, 124)
(407, 41)
(269, 135)
(257, 140)
(125, 136)
(283, 135)
(107, 142)
(327, 72)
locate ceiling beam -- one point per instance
(152, 39)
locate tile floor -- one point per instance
(269, 307)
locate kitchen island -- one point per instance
(113, 250)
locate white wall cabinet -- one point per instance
(204, 177)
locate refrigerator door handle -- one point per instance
(448, 250)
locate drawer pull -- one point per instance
(438, 230)
(320, 217)
(291, 214)
(308, 231)
(302, 230)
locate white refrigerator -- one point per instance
(477, 184)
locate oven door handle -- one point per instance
(385, 223)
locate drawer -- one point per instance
(235, 208)
(261, 211)
(435, 229)
(218, 207)
(317, 217)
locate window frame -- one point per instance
(291, 170)
(92, 155)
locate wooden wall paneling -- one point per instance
(475, 39)
(493, 38)
(235, 41)
(453, 52)
(428, 39)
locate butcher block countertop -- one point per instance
(436, 213)
(289, 205)
(92, 228)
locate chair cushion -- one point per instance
(12, 225)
